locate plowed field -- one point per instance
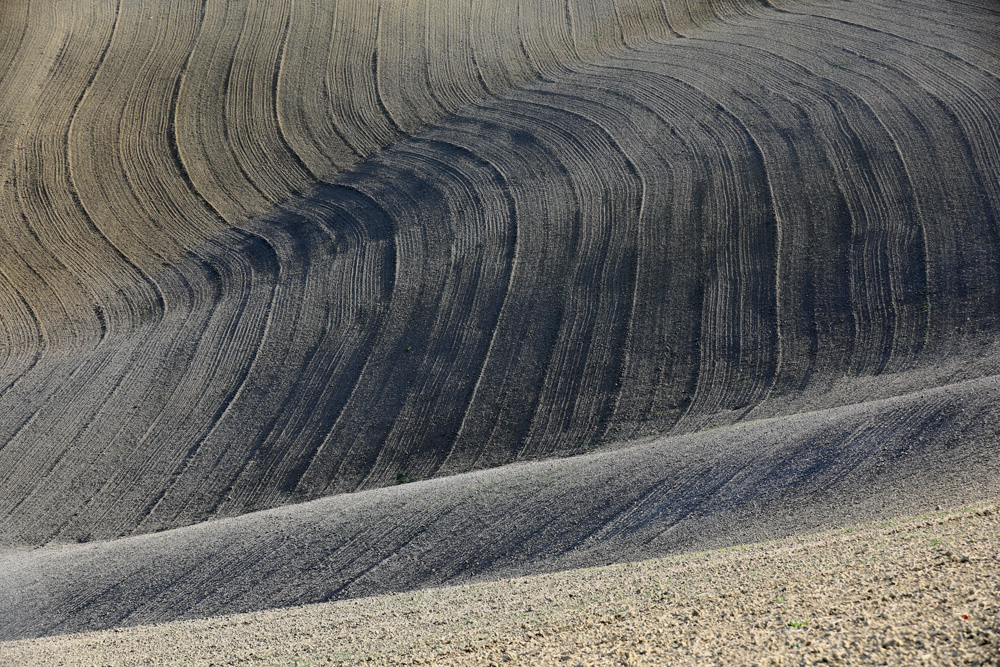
(303, 301)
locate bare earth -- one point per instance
(306, 302)
(920, 590)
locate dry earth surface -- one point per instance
(911, 591)
(613, 279)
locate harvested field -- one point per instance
(615, 278)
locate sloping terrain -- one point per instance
(744, 483)
(904, 591)
(260, 253)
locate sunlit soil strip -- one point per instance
(920, 590)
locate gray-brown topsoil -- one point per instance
(918, 590)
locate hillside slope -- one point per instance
(739, 484)
(799, 601)
(632, 220)
(256, 254)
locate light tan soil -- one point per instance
(921, 590)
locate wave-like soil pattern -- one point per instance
(259, 253)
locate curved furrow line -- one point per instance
(202, 112)
(452, 74)
(642, 22)
(176, 147)
(116, 527)
(459, 455)
(124, 414)
(90, 268)
(149, 298)
(37, 467)
(251, 117)
(132, 188)
(691, 16)
(816, 323)
(938, 245)
(871, 269)
(226, 347)
(14, 29)
(729, 313)
(137, 480)
(959, 37)
(95, 393)
(902, 156)
(912, 330)
(344, 341)
(774, 130)
(733, 361)
(57, 317)
(478, 269)
(40, 272)
(777, 159)
(872, 249)
(404, 58)
(445, 276)
(522, 47)
(276, 94)
(955, 190)
(31, 335)
(16, 339)
(19, 37)
(428, 58)
(305, 102)
(154, 184)
(778, 132)
(106, 371)
(496, 45)
(261, 278)
(23, 337)
(641, 148)
(356, 438)
(547, 150)
(764, 335)
(303, 314)
(383, 90)
(540, 204)
(660, 365)
(505, 46)
(85, 425)
(549, 47)
(298, 325)
(77, 413)
(640, 136)
(935, 193)
(774, 160)
(759, 255)
(313, 474)
(582, 367)
(349, 80)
